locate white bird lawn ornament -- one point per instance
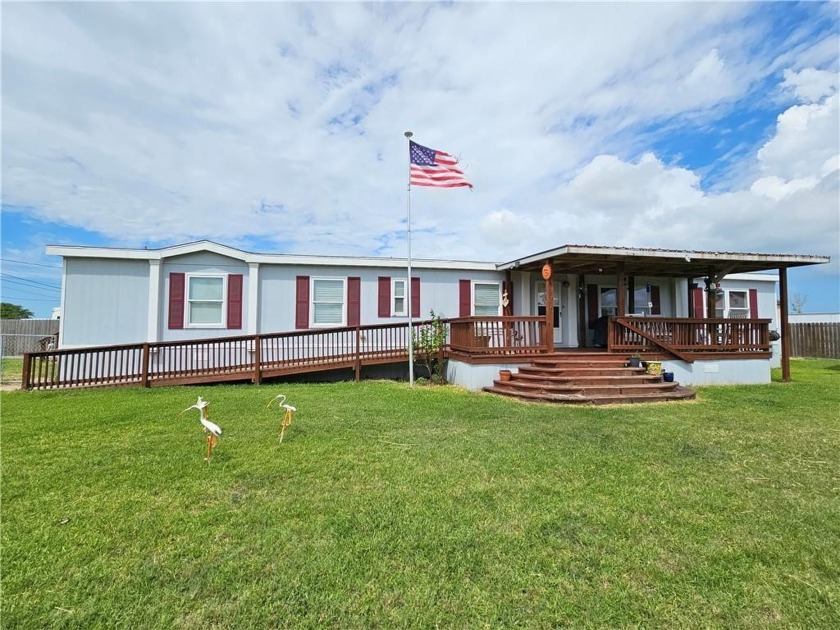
(287, 417)
(213, 430)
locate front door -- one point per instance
(539, 307)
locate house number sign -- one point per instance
(546, 271)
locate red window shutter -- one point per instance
(415, 297)
(384, 296)
(177, 283)
(698, 303)
(656, 309)
(354, 301)
(592, 304)
(464, 298)
(753, 304)
(234, 305)
(302, 302)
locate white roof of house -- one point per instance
(77, 251)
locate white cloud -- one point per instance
(284, 121)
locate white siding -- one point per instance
(105, 302)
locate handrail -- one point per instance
(661, 343)
(687, 337)
(254, 357)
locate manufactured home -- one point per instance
(709, 316)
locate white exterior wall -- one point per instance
(105, 302)
(438, 291)
(730, 372)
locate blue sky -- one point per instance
(278, 127)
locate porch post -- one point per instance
(548, 276)
(631, 295)
(621, 290)
(785, 324)
(581, 303)
(711, 296)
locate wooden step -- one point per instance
(587, 389)
(679, 393)
(588, 378)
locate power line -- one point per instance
(33, 282)
(23, 262)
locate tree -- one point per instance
(429, 340)
(14, 311)
(797, 303)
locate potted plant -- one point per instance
(635, 360)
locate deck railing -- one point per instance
(497, 335)
(250, 357)
(685, 337)
(254, 357)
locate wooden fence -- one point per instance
(27, 335)
(815, 340)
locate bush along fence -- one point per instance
(818, 340)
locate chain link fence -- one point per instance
(27, 335)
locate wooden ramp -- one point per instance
(588, 378)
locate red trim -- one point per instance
(354, 301)
(384, 296)
(234, 305)
(464, 298)
(591, 304)
(302, 302)
(698, 303)
(415, 297)
(177, 284)
(656, 309)
(753, 304)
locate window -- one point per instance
(609, 302)
(733, 303)
(398, 297)
(205, 301)
(328, 302)
(486, 299)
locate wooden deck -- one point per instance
(253, 358)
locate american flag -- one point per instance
(434, 168)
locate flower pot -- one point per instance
(668, 377)
(635, 361)
(654, 368)
(504, 375)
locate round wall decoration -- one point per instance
(546, 271)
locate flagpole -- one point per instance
(408, 135)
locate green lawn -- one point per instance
(11, 370)
(390, 507)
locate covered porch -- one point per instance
(630, 300)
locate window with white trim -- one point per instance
(205, 301)
(609, 302)
(487, 299)
(734, 303)
(328, 301)
(398, 297)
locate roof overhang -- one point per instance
(121, 253)
(593, 259)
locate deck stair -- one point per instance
(588, 378)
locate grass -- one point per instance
(11, 370)
(390, 507)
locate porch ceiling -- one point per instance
(585, 259)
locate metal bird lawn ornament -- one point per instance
(214, 431)
(287, 417)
